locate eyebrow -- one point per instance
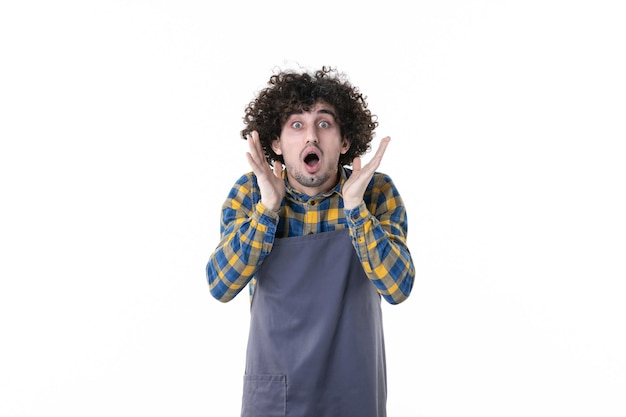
(326, 111)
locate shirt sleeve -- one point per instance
(247, 235)
(378, 230)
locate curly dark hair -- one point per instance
(290, 92)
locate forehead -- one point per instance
(319, 107)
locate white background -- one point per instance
(120, 129)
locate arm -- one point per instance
(247, 236)
(249, 219)
(379, 236)
(379, 231)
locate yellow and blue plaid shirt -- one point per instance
(378, 228)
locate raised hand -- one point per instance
(271, 183)
(354, 188)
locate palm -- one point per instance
(271, 184)
(354, 188)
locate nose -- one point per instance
(311, 136)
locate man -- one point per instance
(318, 244)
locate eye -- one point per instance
(297, 125)
(324, 124)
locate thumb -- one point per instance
(278, 169)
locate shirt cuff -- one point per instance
(358, 215)
(266, 216)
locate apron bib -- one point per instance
(316, 346)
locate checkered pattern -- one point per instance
(378, 228)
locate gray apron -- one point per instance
(316, 346)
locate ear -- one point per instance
(345, 145)
(276, 146)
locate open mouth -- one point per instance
(311, 158)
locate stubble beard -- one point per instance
(310, 180)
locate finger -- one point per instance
(250, 155)
(356, 164)
(251, 149)
(378, 156)
(382, 147)
(278, 169)
(254, 144)
(252, 162)
(256, 150)
(255, 156)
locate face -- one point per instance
(310, 144)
